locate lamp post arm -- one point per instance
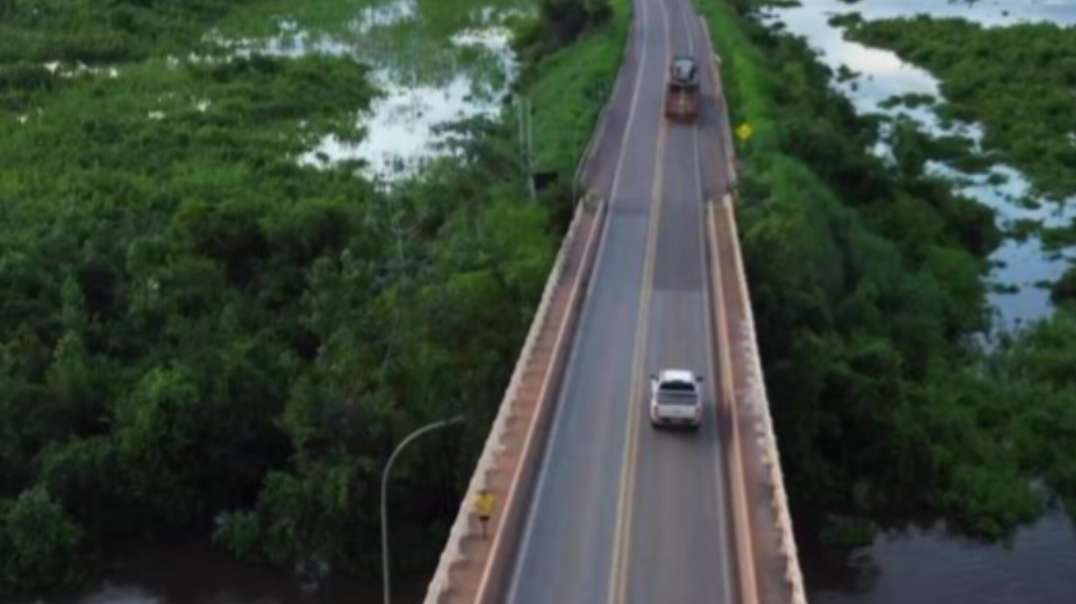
(384, 492)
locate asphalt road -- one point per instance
(624, 512)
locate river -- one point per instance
(200, 574)
(925, 565)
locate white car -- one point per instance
(675, 398)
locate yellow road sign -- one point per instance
(745, 131)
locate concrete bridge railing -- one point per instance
(775, 548)
(763, 533)
(466, 573)
(473, 568)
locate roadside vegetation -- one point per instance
(558, 63)
(203, 338)
(36, 31)
(866, 281)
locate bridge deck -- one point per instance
(616, 510)
(623, 512)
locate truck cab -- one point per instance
(682, 91)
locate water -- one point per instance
(928, 565)
(401, 135)
(198, 574)
(1018, 294)
(1026, 264)
(990, 13)
(429, 75)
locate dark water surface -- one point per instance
(927, 566)
(199, 574)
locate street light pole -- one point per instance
(384, 493)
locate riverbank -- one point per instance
(207, 335)
(867, 280)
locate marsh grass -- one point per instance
(1014, 80)
(435, 61)
(585, 72)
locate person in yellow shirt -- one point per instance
(483, 505)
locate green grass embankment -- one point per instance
(569, 87)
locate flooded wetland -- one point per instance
(876, 79)
(432, 65)
(924, 562)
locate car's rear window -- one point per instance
(676, 393)
(684, 69)
(678, 386)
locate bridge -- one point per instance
(592, 504)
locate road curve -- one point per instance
(623, 512)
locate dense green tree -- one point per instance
(37, 542)
(568, 18)
(1065, 289)
(560, 23)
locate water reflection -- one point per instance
(401, 135)
(383, 15)
(989, 13)
(1023, 267)
(927, 566)
(199, 574)
(429, 74)
(1024, 262)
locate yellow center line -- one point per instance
(617, 592)
(638, 387)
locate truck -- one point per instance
(682, 91)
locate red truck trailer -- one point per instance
(682, 92)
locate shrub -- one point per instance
(38, 543)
